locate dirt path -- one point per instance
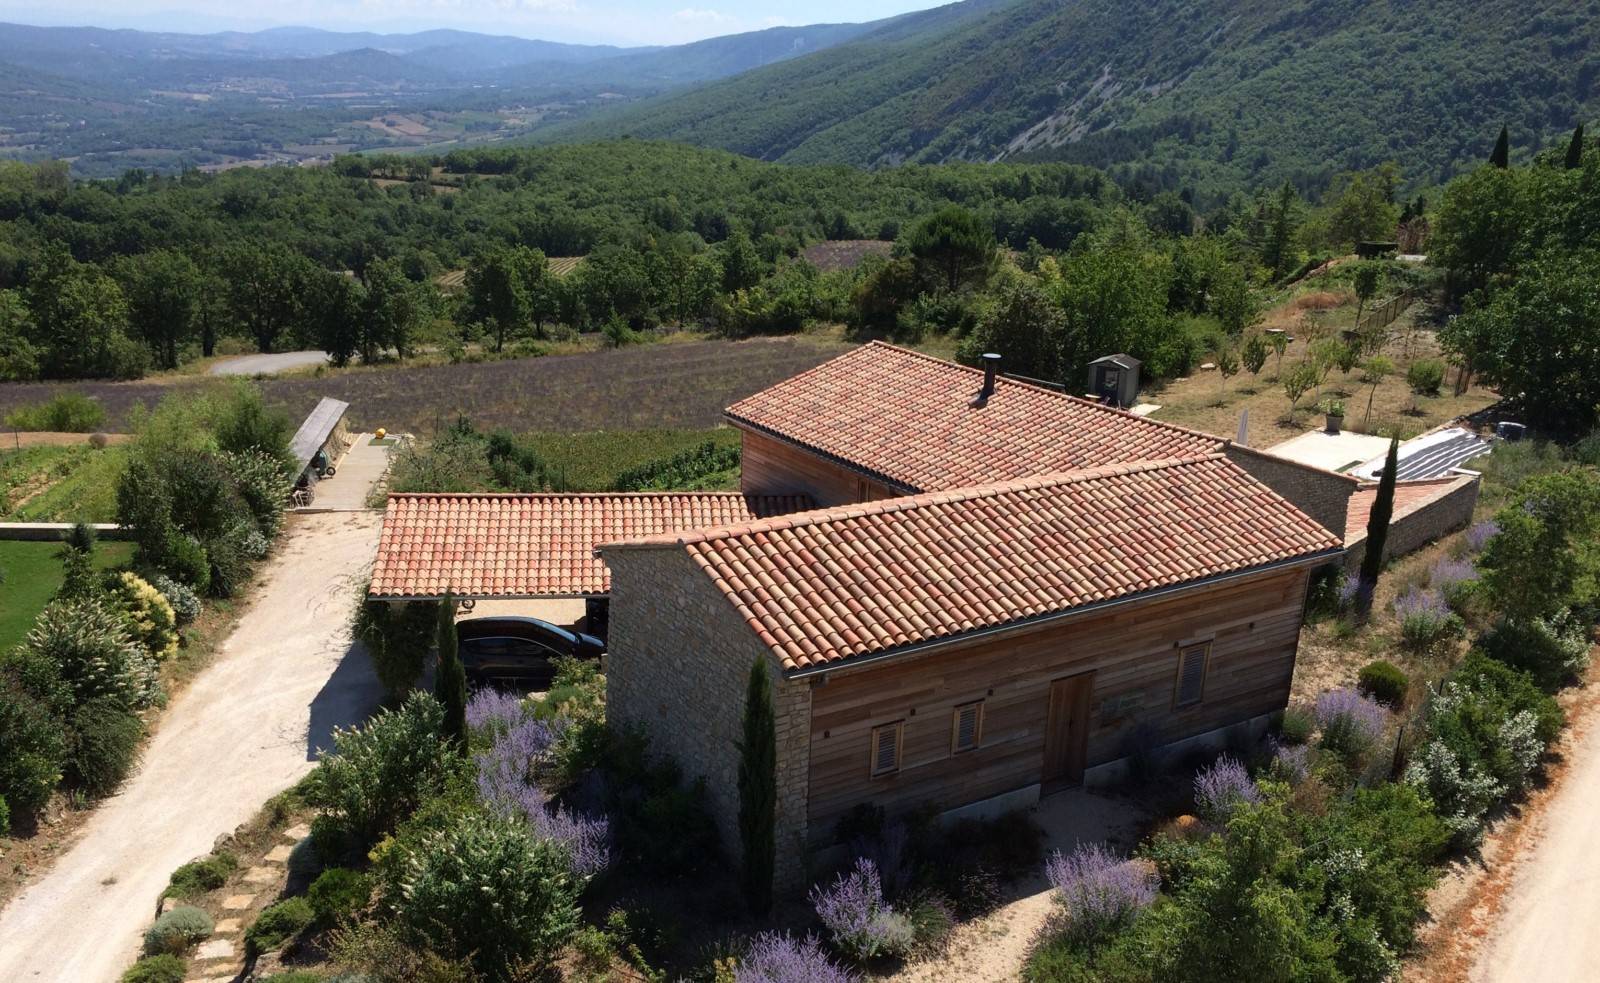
(244, 730)
(268, 364)
(1544, 929)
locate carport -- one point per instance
(521, 552)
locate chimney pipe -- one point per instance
(991, 365)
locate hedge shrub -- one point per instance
(177, 931)
(35, 743)
(5, 816)
(337, 893)
(105, 746)
(277, 924)
(199, 876)
(1385, 682)
(380, 773)
(97, 656)
(165, 968)
(146, 611)
(1552, 650)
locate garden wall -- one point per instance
(1323, 495)
(57, 531)
(1424, 511)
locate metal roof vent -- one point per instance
(991, 368)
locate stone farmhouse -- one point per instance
(970, 590)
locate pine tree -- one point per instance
(758, 790)
(1575, 149)
(450, 683)
(1378, 529)
(1502, 150)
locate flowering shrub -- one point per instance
(1291, 762)
(90, 643)
(184, 602)
(862, 925)
(1099, 892)
(1461, 792)
(775, 958)
(1351, 723)
(1222, 788)
(380, 773)
(1454, 579)
(149, 617)
(1426, 620)
(1351, 591)
(507, 784)
(494, 710)
(1479, 535)
(487, 890)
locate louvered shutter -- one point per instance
(1192, 674)
(967, 727)
(886, 748)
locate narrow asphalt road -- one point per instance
(268, 364)
(245, 729)
(1545, 930)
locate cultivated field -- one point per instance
(843, 254)
(677, 386)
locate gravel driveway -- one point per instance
(1545, 929)
(244, 730)
(268, 364)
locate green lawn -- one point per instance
(592, 461)
(32, 574)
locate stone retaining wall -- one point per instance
(49, 532)
(1421, 522)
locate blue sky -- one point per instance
(586, 21)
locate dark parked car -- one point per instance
(519, 648)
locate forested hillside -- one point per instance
(1209, 94)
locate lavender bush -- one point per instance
(494, 710)
(1479, 535)
(778, 958)
(1291, 762)
(1099, 892)
(1426, 621)
(861, 924)
(1453, 579)
(1222, 788)
(1351, 723)
(507, 785)
(1350, 592)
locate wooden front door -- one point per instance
(1066, 735)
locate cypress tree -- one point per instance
(758, 790)
(1502, 150)
(450, 683)
(1378, 529)
(1575, 149)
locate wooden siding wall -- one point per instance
(1133, 651)
(769, 466)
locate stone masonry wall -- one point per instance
(1414, 527)
(677, 665)
(1323, 495)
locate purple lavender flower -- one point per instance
(1449, 575)
(1350, 592)
(1222, 788)
(1351, 722)
(854, 912)
(1099, 891)
(1479, 535)
(507, 785)
(778, 958)
(1291, 762)
(494, 710)
(1425, 619)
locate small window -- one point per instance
(966, 727)
(886, 748)
(1192, 661)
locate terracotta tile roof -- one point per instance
(1408, 495)
(827, 585)
(912, 419)
(482, 545)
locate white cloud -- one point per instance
(700, 15)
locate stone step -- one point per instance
(238, 902)
(278, 854)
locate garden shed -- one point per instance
(1114, 379)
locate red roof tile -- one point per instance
(827, 585)
(481, 545)
(1408, 495)
(913, 419)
